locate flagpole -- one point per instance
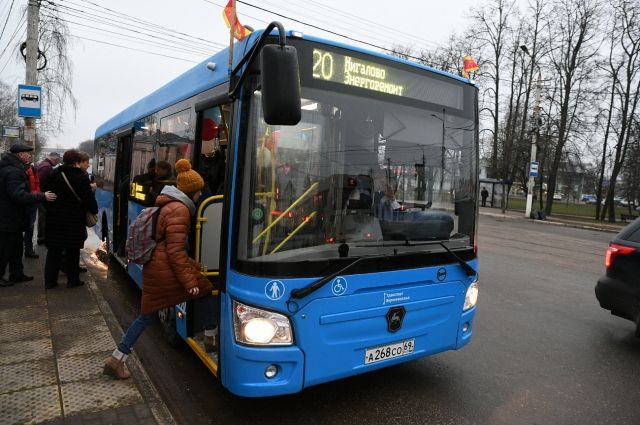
(232, 27)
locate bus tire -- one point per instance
(167, 317)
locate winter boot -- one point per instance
(210, 340)
(114, 366)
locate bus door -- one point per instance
(121, 192)
(211, 144)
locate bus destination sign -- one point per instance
(355, 72)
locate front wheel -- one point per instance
(167, 318)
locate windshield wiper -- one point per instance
(466, 267)
(303, 292)
(469, 271)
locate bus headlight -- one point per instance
(254, 326)
(471, 297)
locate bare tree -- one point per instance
(627, 92)
(491, 23)
(56, 77)
(572, 37)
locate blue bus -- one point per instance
(341, 230)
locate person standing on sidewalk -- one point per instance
(44, 169)
(171, 276)
(66, 228)
(484, 194)
(32, 212)
(15, 196)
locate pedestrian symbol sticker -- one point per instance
(274, 290)
(339, 286)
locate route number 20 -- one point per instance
(322, 65)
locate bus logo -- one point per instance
(442, 274)
(339, 286)
(395, 316)
(274, 290)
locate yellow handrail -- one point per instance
(285, 212)
(294, 231)
(200, 220)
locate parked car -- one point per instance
(619, 289)
(588, 198)
(557, 196)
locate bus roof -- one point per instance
(200, 78)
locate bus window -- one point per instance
(214, 135)
(175, 138)
(143, 162)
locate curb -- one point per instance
(553, 223)
(158, 408)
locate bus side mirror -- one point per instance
(280, 76)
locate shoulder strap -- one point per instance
(69, 185)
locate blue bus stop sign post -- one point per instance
(533, 169)
(29, 101)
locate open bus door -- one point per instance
(121, 189)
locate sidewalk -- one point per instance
(553, 220)
(52, 347)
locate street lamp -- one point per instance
(534, 143)
(442, 154)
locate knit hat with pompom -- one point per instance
(188, 181)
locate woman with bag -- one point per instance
(171, 276)
(66, 218)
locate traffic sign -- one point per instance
(10, 131)
(533, 169)
(29, 101)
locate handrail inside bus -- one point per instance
(285, 212)
(200, 220)
(296, 230)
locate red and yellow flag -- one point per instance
(469, 65)
(239, 31)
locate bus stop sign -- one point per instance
(533, 169)
(29, 101)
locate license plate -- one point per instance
(390, 351)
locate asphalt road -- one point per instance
(543, 352)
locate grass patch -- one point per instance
(564, 208)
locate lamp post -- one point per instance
(442, 153)
(534, 142)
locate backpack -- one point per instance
(141, 241)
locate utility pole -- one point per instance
(31, 74)
(534, 145)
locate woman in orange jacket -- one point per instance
(171, 276)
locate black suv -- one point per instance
(619, 289)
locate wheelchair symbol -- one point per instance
(339, 286)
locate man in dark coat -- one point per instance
(15, 196)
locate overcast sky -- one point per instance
(107, 79)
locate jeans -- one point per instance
(11, 253)
(206, 309)
(32, 211)
(133, 333)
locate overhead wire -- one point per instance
(132, 48)
(349, 22)
(146, 22)
(130, 37)
(128, 27)
(15, 47)
(21, 22)
(7, 20)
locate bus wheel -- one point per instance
(167, 318)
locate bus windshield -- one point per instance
(370, 170)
